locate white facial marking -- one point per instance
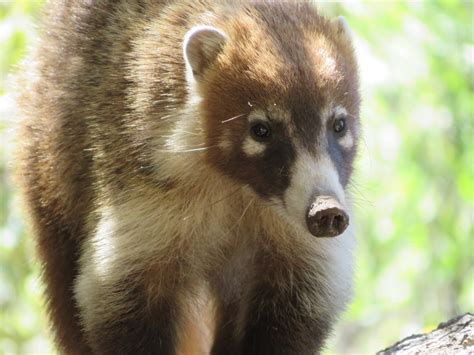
(346, 141)
(252, 148)
(257, 115)
(340, 111)
(309, 176)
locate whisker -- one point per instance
(185, 150)
(359, 197)
(192, 133)
(282, 171)
(243, 214)
(233, 118)
(226, 197)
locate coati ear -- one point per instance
(341, 27)
(201, 46)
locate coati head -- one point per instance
(278, 89)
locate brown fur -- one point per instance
(108, 91)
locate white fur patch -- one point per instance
(332, 256)
(103, 242)
(347, 141)
(257, 115)
(311, 175)
(252, 148)
(340, 111)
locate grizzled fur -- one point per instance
(162, 225)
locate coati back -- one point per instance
(182, 158)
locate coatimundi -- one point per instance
(181, 161)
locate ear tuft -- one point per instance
(201, 46)
(341, 27)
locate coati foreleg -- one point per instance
(127, 319)
(285, 311)
(279, 322)
(130, 293)
(226, 338)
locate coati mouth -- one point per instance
(326, 217)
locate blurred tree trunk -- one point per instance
(453, 337)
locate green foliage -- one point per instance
(414, 190)
(22, 318)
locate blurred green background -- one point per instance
(414, 188)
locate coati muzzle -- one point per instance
(326, 217)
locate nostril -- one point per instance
(338, 222)
(324, 221)
(330, 220)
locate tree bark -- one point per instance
(453, 337)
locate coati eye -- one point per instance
(260, 131)
(339, 126)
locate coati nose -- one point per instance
(326, 217)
